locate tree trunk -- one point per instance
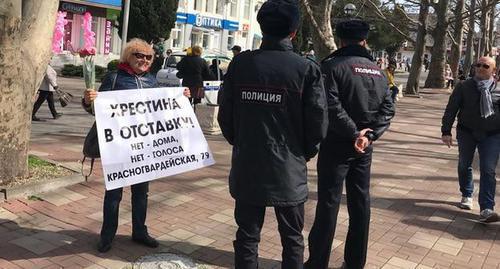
(456, 48)
(26, 27)
(412, 85)
(483, 26)
(435, 78)
(491, 35)
(469, 51)
(319, 13)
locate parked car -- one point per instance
(167, 75)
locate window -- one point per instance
(209, 8)
(206, 39)
(176, 38)
(196, 38)
(219, 7)
(246, 10)
(234, 8)
(198, 4)
(230, 40)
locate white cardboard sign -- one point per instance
(148, 134)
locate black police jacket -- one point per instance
(464, 101)
(273, 112)
(358, 95)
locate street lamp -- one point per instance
(349, 9)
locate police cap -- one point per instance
(353, 30)
(279, 17)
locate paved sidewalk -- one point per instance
(415, 220)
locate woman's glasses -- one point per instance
(139, 55)
(485, 66)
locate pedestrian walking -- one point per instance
(274, 113)
(133, 73)
(476, 102)
(46, 92)
(426, 62)
(236, 50)
(215, 69)
(448, 75)
(389, 72)
(408, 64)
(194, 70)
(359, 109)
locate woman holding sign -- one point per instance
(132, 73)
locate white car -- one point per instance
(166, 77)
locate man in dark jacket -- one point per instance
(273, 112)
(359, 109)
(476, 101)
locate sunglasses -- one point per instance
(485, 66)
(139, 55)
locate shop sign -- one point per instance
(73, 8)
(107, 37)
(208, 22)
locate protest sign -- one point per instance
(148, 134)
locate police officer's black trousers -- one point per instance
(111, 207)
(333, 167)
(250, 219)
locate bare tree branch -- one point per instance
(313, 20)
(381, 15)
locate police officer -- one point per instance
(273, 111)
(359, 109)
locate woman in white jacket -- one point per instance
(46, 92)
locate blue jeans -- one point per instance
(488, 149)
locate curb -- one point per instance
(40, 187)
(46, 185)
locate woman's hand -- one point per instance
(187, 92)
(89, 96)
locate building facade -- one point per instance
(104, 14)
(216, 25)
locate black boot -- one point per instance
(104, 246)
(146, 240)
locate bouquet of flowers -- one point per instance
(88, 51)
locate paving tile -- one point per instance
(448, 246)
(200, 240)
(221, 217)
(185, 248)
(113, 262)
(400, 263)
(34, 244)
(6, 215)
(181, 234)
(57, 239)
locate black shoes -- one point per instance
(34, 118)
(103, 246)
(57, 116)
(146, 240)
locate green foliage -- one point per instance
(150, 20)
(113, 65)
(382, 36)
(34, 161)
(71, 70)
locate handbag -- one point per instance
(64, 97)
(91, 143)
(91, 149)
